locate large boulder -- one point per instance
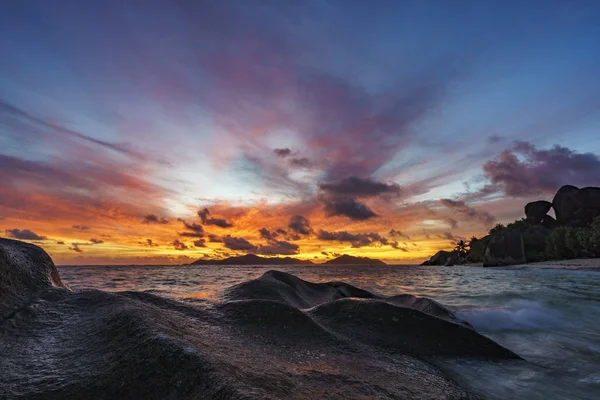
(443, 257)
(566, 202)
(452, 259)
(576, 207)
(275, 337)
(537, 210)
(26, 271)
(505, 248)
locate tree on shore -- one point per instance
(461, 247)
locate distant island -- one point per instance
(253, 259)
(351, 260)
(539, 237)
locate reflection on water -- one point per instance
(550, 317)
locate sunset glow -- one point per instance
(164, 136)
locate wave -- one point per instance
(516, 315)
(277, 336)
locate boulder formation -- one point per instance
(537, 210)
(274, 337)
(531, 239)
(505, 248)
(572, 207)
(442, 257)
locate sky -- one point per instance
(160, 132)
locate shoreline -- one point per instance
(574, 264)
(570, 264)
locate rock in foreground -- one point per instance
(271, 338)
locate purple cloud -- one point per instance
(178, 245)
(463, 209)
(300, 225)
(238, 243)
(526, 170)
(358, 187)
(347, 207)
(206, 220)
(356, 240)
(24, 234)
(154, 219)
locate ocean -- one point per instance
(550, 317)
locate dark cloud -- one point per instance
(280, 231)
(214, 238)
(235, 243)
(469, 212)
(358, 187)
(300, 225)
(325, 253)
(24, 234)
(397, 246)
(81, 227)
(302, 162)
(452, 222)
(154, 219)
(396, 233)
(356, 240)
(96, 241)
(75, 248)
(197, 231)
(60, 242)
(347, 207)
(525, 170)
(278, 247)
(266, 234)
(151, 243)
(200, 243)
(179, 245)
(282, 152)
(220, 222)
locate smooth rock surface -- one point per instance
(271, 338)
(25, 272)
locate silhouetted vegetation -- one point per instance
(562, 242)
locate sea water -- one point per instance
(550, 317)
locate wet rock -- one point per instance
(25, 272)
(273, 337)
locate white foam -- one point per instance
(515, 315)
